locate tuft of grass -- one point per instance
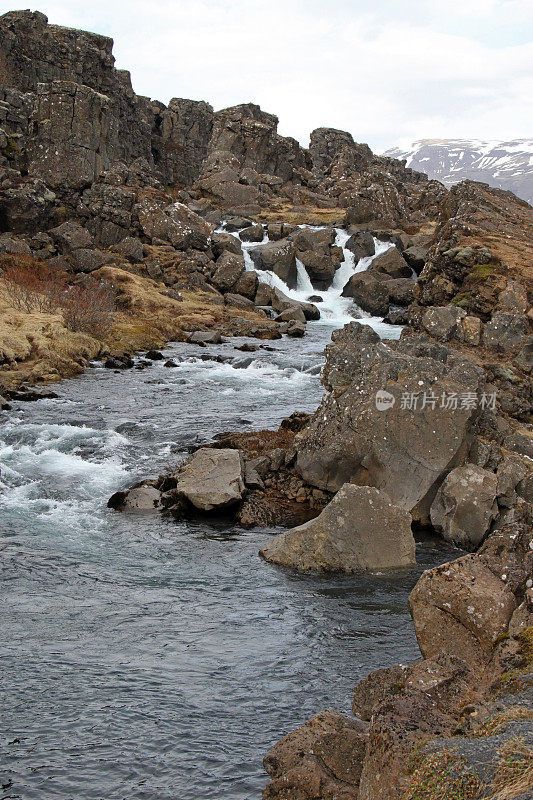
(442, 776)
(499, 721)
(514, 770)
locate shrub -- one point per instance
(31, 285)
(89, 308)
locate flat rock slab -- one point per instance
(361, 529)
(212, 479)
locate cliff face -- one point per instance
(68, 115)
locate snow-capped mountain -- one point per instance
(506, 165)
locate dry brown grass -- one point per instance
(301, 215)
(514, 771)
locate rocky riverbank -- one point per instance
(125, 223)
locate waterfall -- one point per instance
(335, 310)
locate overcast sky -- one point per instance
(388, 71)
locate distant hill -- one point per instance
(505, 165)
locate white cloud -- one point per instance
(410, 70)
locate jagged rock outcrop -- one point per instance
(406, 446)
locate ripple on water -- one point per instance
(145, 658)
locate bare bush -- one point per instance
(32, 286)
(90, 308)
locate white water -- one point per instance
(335, 310)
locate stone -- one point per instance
(368, 293)
(143, 498)
(290, 314)
(461, 608)
(238, 301)
(213, 479)
(524, 359)
(229, 269)
(360, 529)
(442, 322)
(404, 451)
(361, 244)
(469, 330)
(392, 263)
(71, 236)
(465, 505)
(277, 257)
(224, 241)
(247, 284)
(513, 299)
(89, 260)
(130, 248)
(173, 223)
(401, 290)
(205, 337)
(505, 332)
(416, 256)
(325, 754)
(254, 233)
(12, 246)
(296, 329)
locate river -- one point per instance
(148, 658)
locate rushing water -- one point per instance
(148, 658)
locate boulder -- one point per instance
(369, 293)
(361, 244)
(327, 752)
(296, 329)
(277, 257)
(465, 505)
(71, 236)
(238, 301)
(229, 268)
(130, 248)
(461, 608)
(174, 223)
(442, 322)
(524, 359)
(205, 337)
(392, 263)
(401, 290)
(291, 314)
(360, 529)
(89, 260)
(213, 479)
(247, 285)
(316, 251)
(254, 233)
(224, 241)
(142, 498)
(506, 332)
(382, 422)
(280, 302)
(416, 256)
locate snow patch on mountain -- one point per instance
(505, 165)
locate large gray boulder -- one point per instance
(360, 529)
(277, 257)
(229, 268)
(465, 505)
(318, 253)
(392, 263)
(382, 421)
(141, 499)
(369, 293)
(506, 332)
(212, 479)
(361, 243)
